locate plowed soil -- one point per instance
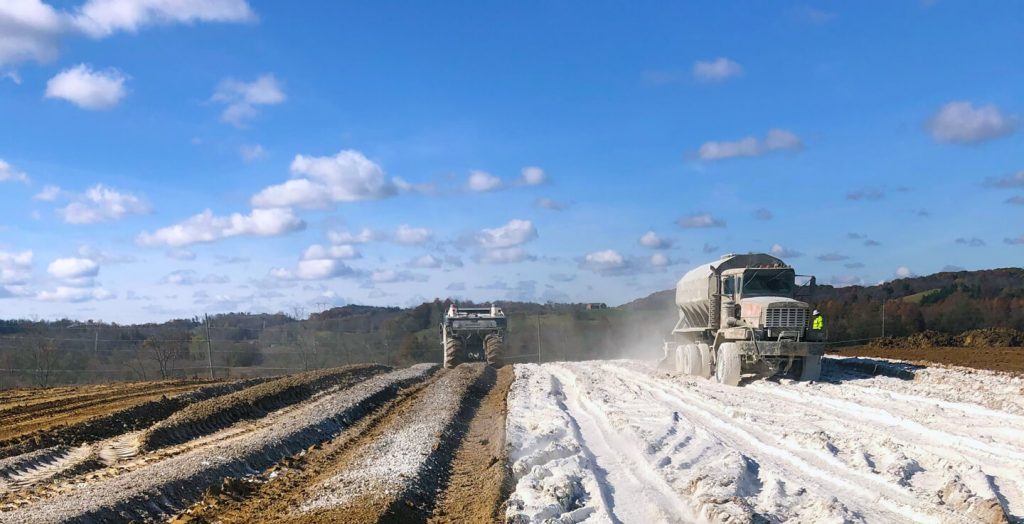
(1009, 359)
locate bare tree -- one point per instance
(166, 349)
(135, 363)
(44, 360)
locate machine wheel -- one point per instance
(494, 350)
(692, 363)
(705, 360)
(452, 353)
(812, 368)
(679, 360)
(727, 364)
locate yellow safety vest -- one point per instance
(819, 323)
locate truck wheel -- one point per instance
(692, 364)
(727, 365)
(452, 353)
(494, 350)
(679, 359)
(812, 368)
(705, 360)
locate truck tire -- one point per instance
(452, 353)
(728, 364)
(494, 350)
(692, 364)
(679, 360)
(812, 368)
(705, 360)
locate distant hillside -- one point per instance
(949, 302)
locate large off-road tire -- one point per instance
(692, 364)
(728, 364)
(812, 368)
(705, 360)
(453, 353)
(494, 351)
(679, 360)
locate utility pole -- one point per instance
(96, 343)
(209, 347)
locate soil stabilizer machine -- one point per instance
(741, 315)
(473, 334)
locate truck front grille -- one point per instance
(785, 317)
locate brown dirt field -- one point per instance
(47, 408)
(480, 481)
(990, 358)
(471, 488)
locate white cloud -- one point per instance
(337, 252)
(516, 232)
(533, 176)
(346, 177)
(9, 174)
(102, 204)
(73, 268)
(364, 236)
(180, 254)
(960, 122)
(547, 203)
(481, 181)
(28, 31)
(784, 252)
(181, 277)
(242, 98)
(427, 261)
(100, 18)
(412, 236)
(320, 269)
(74, 294)
(717, 70)
(659, 260)
(390, 276)
(508, 255)
(15, 268)
(49, 193)
(252, 153)
(774, 140)
(700, 220)
(206, 227)
(88, 89)
(904, 272)
(608, 261)
(651, 240)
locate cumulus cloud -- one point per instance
(832, 257)
(242, 99)
(320, 181)
(28, 31)
(74, 294)
(507, 255)
(651, 240)
(515, 233)
(427, 261)
(50, 193)
(9, 174)
(1006, 182)
(970, 242)
(549, 204)
(15, 267)
(100, 18)
(659, 260)
(73, 268)
(774, 140)
(336, 252)
(700, 220)
(960, 122)
(784, 252)
(412, 236)
(252, 152)
(206, 227)
(102, 204)
(716, 70)
(318, 269)
(904, 272)
(763, 214)
(481, 181)
(533, 176)
(88, 89)
(364, 236)
(390, 276)
(180, 254)
(607, 262)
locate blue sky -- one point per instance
(166, 158)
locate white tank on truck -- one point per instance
(742, 315)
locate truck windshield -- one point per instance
(760, 282)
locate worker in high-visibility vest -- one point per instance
(817, 322)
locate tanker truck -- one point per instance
(740, 315)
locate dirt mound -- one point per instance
(217, 413)
(976, 338)
(992, 337)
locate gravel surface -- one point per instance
(159, 489)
